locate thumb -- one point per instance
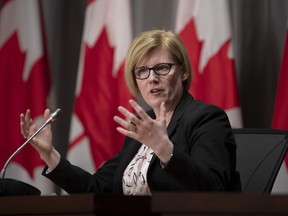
(162, 114)
(46, 114)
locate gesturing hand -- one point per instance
(43, 141)
(141, 127)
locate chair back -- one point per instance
(260, 153)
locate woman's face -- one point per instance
(156, 89)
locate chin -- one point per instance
(155, 103)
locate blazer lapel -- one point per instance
(178, 113)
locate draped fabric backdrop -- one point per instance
(100, 84)
(25, 83)
(258, 35)
(205, 27)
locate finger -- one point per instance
(126, 132)
(130, 126)
(25, 123)
(22, 120)
(139, 110)
(22, 125)
(127, 128)
(47, 114)
(130, 117)
(162, 114)
(121, 121)
(27, 115)
(28, 121)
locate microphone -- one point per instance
(52, 118)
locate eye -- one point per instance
(162, 67)
(140, 70)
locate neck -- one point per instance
(169, 113)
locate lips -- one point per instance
(155, 90)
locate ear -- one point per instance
(184, 76)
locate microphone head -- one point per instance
(56, 113)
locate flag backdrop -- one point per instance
(280, 118)
(100, 85)
(24, 83)
(205, 28)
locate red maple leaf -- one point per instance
(97, 103)
(16, 96)
(216, 84)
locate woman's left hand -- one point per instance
(151, 132)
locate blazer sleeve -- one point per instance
(73, 179)
(204, 156)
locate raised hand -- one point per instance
(141, 127)
(42, 142)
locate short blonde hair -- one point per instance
(148, 41)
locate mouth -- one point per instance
(155, 91)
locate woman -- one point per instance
(179, 145)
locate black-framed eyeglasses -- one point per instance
(160, 69)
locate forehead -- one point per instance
(156, 56)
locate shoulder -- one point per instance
(199, 113)
(200, 108)
(204, 108)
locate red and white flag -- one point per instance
(100, 85)
(204, 26)
(24, 83)
(280, 118)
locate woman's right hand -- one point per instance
(42, 142)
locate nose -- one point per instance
(152, 74)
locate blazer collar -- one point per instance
(179, 111)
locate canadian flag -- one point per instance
(24, 83)
(280, 118)
(100, 85)
(204, 26)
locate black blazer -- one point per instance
(204, 157)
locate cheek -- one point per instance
(175, 82)
(141, 86)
